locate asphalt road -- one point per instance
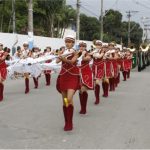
(36, 120)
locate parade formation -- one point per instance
(79, 70)
(74, 74)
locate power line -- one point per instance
(89, 11)
(143, 5)
(147, 2)
(88, 8)
(129, 14)
(114, 3)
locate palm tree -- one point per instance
(54, 17)
(69, 17)
(49, 10)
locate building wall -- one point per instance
(8, 39)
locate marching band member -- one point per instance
(115, 70)
(18, 53)
(17, 56)
(142, 60)
(48, 72)
(61, 51)
(118, 52)
(68, 81)
(129, 57)
(108, 70)
(125, 65)
(8, 58)
(3, 70)
(25, 53)
(98, 68)
(113, 66)
(104, 81)
(86, 77)
(35, 53)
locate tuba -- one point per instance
(132, 48)
(144, 47)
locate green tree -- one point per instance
(135, 34)
(52, 17)
(115, 29)
(49, 10)
(64, 19)
(112, 26)
(89, 28)
(52, 22)
(21, 17)
(5, 15)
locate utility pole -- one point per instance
(78, 21)
(14, 16)
(129, 24)
(30, 23)
(129, 17)
(101, 19)
(30, 16)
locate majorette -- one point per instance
(98, 68)
(3, 70)
(68, 80)
(86, 76)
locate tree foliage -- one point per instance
(90, 28)
(114, 28)
(52, 17)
